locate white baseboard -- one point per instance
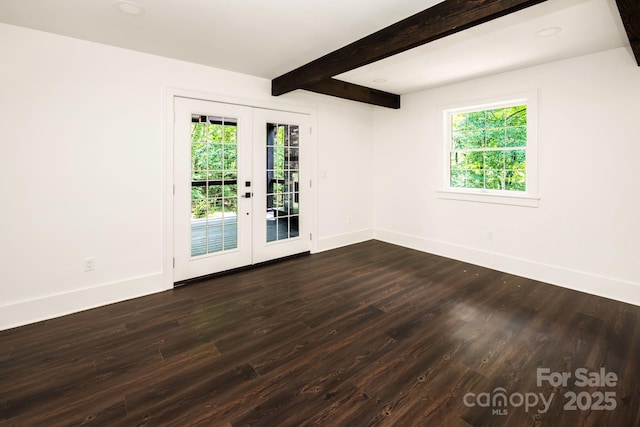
(48, 307)
(36, 310)
(607, 287)
(340, 240)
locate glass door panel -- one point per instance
(282, 181)
(281, 220)
(214, 184)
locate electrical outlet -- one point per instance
(89, 263)
(489, 235)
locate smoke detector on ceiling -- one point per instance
(548, 32)
(129, 7)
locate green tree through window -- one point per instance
(488, 149)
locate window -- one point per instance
(490, 152)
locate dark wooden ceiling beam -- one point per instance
(630, 14)
(355, 92)
(441, 20)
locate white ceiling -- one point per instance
(267, 39)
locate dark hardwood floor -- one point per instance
(370, 334)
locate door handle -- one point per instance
(247, 195)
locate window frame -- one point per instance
(529, 197)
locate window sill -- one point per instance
(500, 199)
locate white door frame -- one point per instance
(169, 93)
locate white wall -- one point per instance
(345, 159)
(584, 234)
(81, 169)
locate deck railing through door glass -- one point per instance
(214, 184)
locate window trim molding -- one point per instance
(527, 198)
(500, 199)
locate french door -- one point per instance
(240, 188)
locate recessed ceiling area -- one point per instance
(267, 39)
(569, 28)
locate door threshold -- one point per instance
(186, 282)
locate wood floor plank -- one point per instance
(370, 334)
